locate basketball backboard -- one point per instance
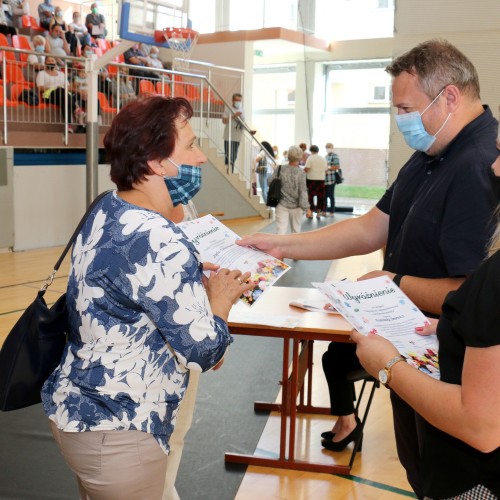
(139, 19)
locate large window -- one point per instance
(274, 104)
(356, 118)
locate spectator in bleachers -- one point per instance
(36, 62)
(135, 56)
(6, 23)
(51, 82)
(122, 88)
(96, 23)
(19, 8)
(153, 58)
(104, 81)
(66, 29)
(57, 43)
(80, 30)
(45, 13)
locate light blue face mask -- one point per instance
(413, 130)
(185, 184)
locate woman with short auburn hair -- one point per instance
(142, 315)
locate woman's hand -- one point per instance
(428, 328)
(373, 351)
(224, 288)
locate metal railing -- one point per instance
(117, 84)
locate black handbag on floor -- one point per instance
(34, 346)
(274, 192)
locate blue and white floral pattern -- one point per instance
(139, 321)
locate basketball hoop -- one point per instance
(181, 42)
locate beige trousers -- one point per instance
(111, 465)
(286, 217)
(176, 443)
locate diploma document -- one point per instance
(216, 243)
(378, 306)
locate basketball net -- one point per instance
(182, 42)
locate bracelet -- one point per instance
(397, 279)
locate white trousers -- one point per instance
(288, 217)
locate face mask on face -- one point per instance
(58, 14)
(94, 11)
(185, 184)
(88, 53)
(39, 48)
(154, 56)
(237, 104)
(413, 130)
(329, 150)
(50, 67)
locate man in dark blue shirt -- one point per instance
(434, 221)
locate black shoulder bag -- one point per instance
(34, 346)
(274, 192)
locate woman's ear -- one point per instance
(156, 167)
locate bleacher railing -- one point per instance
(117, 84)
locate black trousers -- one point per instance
(231, 156)
(57, 98)
(408, 428)
(330, 195)
(339, 360)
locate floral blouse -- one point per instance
(139, 320)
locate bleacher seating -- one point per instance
(146, 87)
(21, 42)
(31, 23)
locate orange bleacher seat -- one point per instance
(104, 104)
(14, 74)
(4, 42)
(32, 23)
(103, 44)
(21, 42)
(163, 88)
(146, 87)
(9, 103)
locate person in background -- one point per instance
(460, 435)
(122, 88)
(66, 29)
(45, 13)
(19, 9)
(305, 154)
(284, 160)
(315, 169)
(332, 166)
(264, 168)
(6, 19)
(434, 221)
(233, 130)
(96, 22)
(50, 83)
(137, 331)
(136, 57)
(294, 200)
(104, 81)
(80, 30)
(36, 62)
(277, 155)
(58, 46)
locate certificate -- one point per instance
(216, 243)
(378, 306)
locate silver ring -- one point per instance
(241, 282)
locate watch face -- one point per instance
(382, 376)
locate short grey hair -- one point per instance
(295, 153)
(436, 64)
(38, 39)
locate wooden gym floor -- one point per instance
(376, 473)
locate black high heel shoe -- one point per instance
(341, 445)
(328, 435)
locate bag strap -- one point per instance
(50, 279)
(279, 172)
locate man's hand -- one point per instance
(268, 243)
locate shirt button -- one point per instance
(390, 255)
(429, 172)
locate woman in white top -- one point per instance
(52, 85)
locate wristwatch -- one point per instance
(384, 375)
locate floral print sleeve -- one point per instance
(139, 321)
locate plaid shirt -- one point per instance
(332, 160)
